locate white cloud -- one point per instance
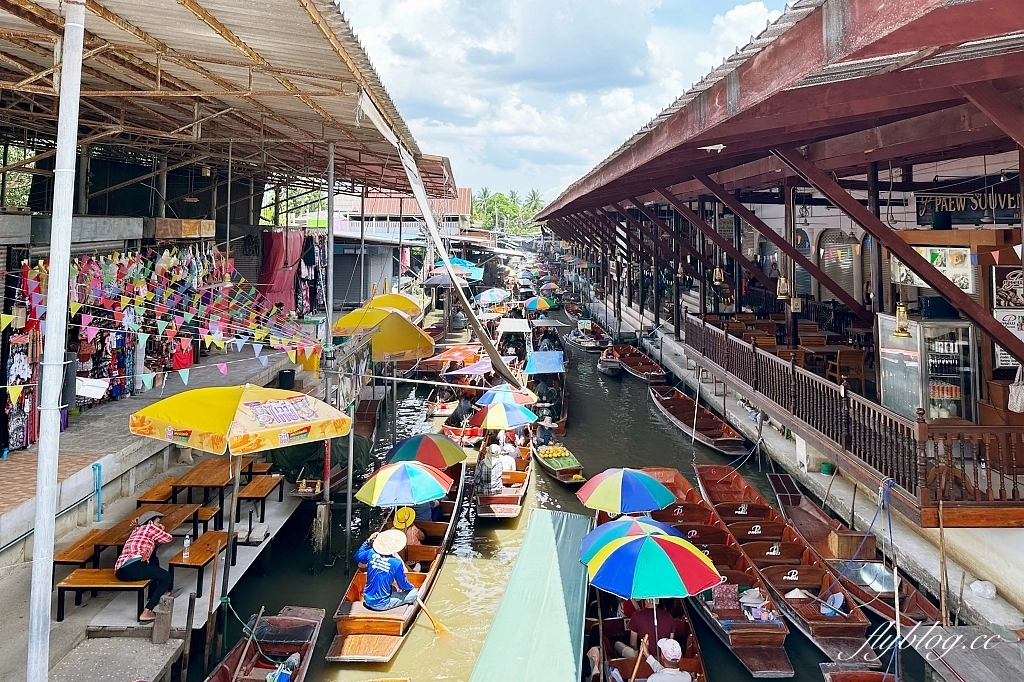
(533, 93)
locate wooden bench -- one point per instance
(258, 469)
(97, 580)
(161, 493)
(201, 552)
(259, 489)
(80, 552)
(207, 514)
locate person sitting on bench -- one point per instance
(138, 560)
(384, 570)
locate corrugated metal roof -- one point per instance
(275, 76)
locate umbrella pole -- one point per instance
(237, 474)
(394, 403)
(348, 484)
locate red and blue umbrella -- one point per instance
(651, 567)
(624, 526)
(625, 491)
(434, 449)
(404, 484)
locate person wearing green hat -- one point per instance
(138, 560)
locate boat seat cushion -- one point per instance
(356, 609)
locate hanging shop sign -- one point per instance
(1008, 306)
(953, 262)
(968, 209)
(1012, 319)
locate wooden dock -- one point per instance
(968, 653)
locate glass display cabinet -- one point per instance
(935, 368)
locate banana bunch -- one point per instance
(552, 451)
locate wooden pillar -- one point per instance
(737, 267)
(789, 192)
(702, 282)
(676, 294)
(877, 290)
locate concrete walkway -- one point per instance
(917, 555)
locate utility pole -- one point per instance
(53, 350)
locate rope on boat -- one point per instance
(883, 498)
(246, 630)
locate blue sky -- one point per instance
(524, 94)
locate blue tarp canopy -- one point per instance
(537, 633)
(457, 261)
(545, 362)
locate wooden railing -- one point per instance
(962, 465)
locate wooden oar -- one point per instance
(439, 628)
(640, 655)
(248, 641)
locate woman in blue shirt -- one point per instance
(384, 570)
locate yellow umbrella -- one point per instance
(239, 419)
(407, 304)
(397, 338)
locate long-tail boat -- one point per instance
(697, 421)
(368, 636)
(292, 631)
(843, 672)
(560, 463)
(800, 581)
(757, 641)
(691, 662)
(508, 504)
(853, 555)
(637, 363)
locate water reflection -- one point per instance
(612, 424)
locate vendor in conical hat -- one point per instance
(487, 479)
(386, 584)
(545, 432)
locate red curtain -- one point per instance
(280, 267)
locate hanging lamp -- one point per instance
(782, 293)
(987, 217)
(902, 330)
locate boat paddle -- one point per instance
(640, 655)
(439, 628)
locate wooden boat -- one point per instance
(837, 545)
(758, 644)
(845, 672)
(367, 636)
(292, 631)
(692, 661)
(789, 566)
(684, 413)
(508, 504)
(593, 341)
(442, 402)
(573, 311)
(461, 434)
(561, 464)
(610, 366)
(637, 363)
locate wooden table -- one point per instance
(832, 349)
(210, 474)
(174, 516)
(259, 489)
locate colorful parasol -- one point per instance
(502, 416)
(651, 567)
(624, 526)
(239, 419)
(537, 303)
(492, 296)
(403, 302)
(404, 483)
(427, 448)
(625, 491)
(550, 286)
(459, 353)
(506, 394)
(396, 338)
(444, 281)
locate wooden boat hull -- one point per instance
(509, 504)
(609, 367)
(788, 564)
(844, 672)
(566, 470)
(815, 527)
(587, 344)
(759, 645)
(691, 662)
(292, 620)
(366, 636)
(639, 365)
(712, 431)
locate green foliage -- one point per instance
(18, 184)
(510, 212)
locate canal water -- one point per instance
(612, 423)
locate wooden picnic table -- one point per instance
(174, 516)
(210, 474)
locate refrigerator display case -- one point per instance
(935, 368)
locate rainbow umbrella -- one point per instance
(492, 296)
(651, 567)
(624, 526)
(427, 448)
(537, 303)
(503, 416)
(625, 491)
(506, 394)
(404, 484)
(550, 286)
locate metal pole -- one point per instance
(53, 351)
(394, 402)
(351, 473)
(362, 246)
(161, 189)
(329, 294)
(3, 179)
(236, 466)
(227, 219)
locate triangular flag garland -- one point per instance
(291, 356)
(14, 392)
(183, 373)
(5, 320)
(257, 348)
(263, 360)
(223, 367)
(147, 379)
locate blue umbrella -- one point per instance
(621, 527)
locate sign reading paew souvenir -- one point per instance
(953, 262)
(967, 209)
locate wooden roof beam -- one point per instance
(687, 248)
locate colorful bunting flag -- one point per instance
(147, 379)
(223, 367)
(14, 392)
(183, 373)
(263, 360)
(257, 348)
(75, 307)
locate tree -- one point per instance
(534, 203)
(506, 211)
